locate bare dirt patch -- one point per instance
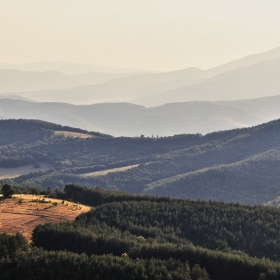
(22, 213)
(72, 134)
(9, 173)
(106, 171)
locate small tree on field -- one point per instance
(7, 191)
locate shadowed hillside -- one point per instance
(236, 165)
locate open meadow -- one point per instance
(22, 212)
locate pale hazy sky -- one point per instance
(142, 34)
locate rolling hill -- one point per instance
(13, 81)
(240, 165)
(254, 81)
(250, 77)
(124, 119)
(128, 236)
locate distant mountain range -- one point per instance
(12, 81)
(124, 119)
(257, 80)
(250, 77)
(240, 93)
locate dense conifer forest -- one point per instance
(128, 236)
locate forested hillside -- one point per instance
(19, 260)
(239, 165)
(129, 236)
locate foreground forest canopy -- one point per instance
(128, 236)
(240, 165)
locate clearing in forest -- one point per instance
(107, 171)
(72, 134)
(22, 212)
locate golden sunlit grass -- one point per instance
(112, 170)
(23, 212)
(72, 134)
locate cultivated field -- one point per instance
(23, 212)
(106, 171)
(72, 134)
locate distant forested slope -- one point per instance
(236, 165)
(125, 119)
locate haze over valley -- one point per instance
(140, 140)
(250, 77)
(240, 93)
(126, 119)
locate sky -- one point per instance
(160, 35)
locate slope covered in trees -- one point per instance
(129, 236)
(239, 165)
(19, 260)
(213, 225)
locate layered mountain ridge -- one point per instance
(125, 119)
(240, 165)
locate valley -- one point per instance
(139, 140)
(10, 173)
(230, 166)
